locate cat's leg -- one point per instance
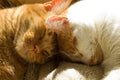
(7, 72)
(11, 66)
(11, 71)
(32, 72)
(6, 69)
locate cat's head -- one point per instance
(77, 47)
(34, 40)
(37, 45)
(66, 42)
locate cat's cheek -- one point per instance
(92, 61)
(97, 57)
(42, 60)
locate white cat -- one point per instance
(92, 34)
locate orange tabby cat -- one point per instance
(24, 37)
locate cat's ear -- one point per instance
(57, 22)
(57, 6)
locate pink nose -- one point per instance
(35, 49)
(92, 61)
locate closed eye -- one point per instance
(45, 53)
(42, 34)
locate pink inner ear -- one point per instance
(62, 20)
(57, 23)
(51, 4)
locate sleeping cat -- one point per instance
(25, 38)
(90, 33)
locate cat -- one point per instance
(25, 38)
(89, 32)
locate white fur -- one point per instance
(70, 71)
(98, 20)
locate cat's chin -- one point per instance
(97, 58)
(28, 55)
(93, 61)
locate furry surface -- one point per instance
(20, 28)
(70, 71)
(95, 38)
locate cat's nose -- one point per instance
(35, 49)
(93, 61)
